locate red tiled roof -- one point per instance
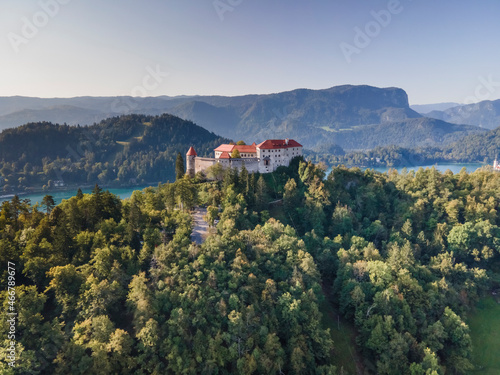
(247, 149)
(225, 148)
(240, 148)
(191, 152)
(224, 155)
(271, 144)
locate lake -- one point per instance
(123, 193)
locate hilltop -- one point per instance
(485, 114)
(353, 117)
(119, 151)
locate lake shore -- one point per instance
(67, 192)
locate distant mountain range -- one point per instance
(85, 110)
(485, 114)
(353, 117)
(426, 108)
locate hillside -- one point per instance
(85, 110)
(68, 114)
(316, 117)
(409, 133)
(119, 151)
(353, 273)
(426, 108)
(352, 117)
(309, 115)
(485, 114)
(476, 147)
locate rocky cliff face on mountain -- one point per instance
(354, 117)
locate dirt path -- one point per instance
(350, 343)
(200, 227)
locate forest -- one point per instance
(475, 148)
(119, 151)
(105, 286)
(132, 150)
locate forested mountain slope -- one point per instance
(116, 151)
(475, 148)
(353, 117)
(105, 286)
(485, 114)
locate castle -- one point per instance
(264, 157)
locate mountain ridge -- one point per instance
(484, 114)
(116, 151)
(317, 117)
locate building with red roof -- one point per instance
(244, 150)
(273, 144)
(274, 153)
(264, 157)
(191, 152)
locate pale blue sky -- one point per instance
(436, 51)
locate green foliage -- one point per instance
(106, 286)
(484, 324)
(235, 154)
(474, 148)
(117, 151)
(180, 171)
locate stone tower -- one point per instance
(190, 162)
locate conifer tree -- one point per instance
(179, 167)
(79, 194)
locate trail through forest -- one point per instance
(200, 228)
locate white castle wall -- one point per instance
(252, 165)
(276, 158)
(200, 164)
(265, 162)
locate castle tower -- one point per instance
(190, 162)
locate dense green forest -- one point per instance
(105, 286)
(123, 150)
(137, 149)
(475, 148)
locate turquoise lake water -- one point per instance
(124, 193)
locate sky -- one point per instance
(437, 51)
